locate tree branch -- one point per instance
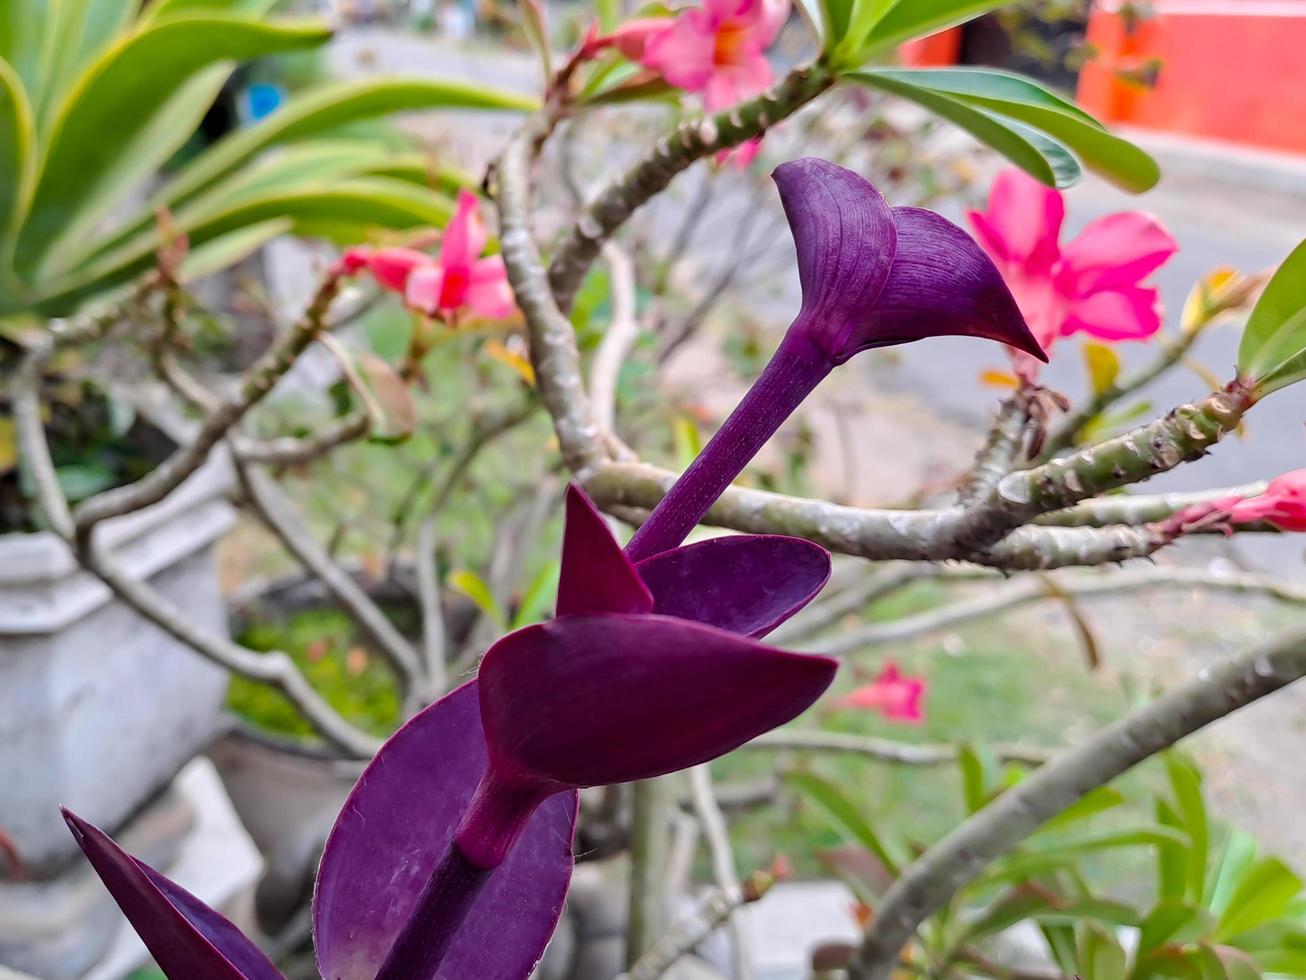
(1137, 509)
(994, 461)
(186, 459)
(620, 336)
(276, 511)
(958, 858)
(887, 750)
(713, 823)
(1031, 590)
(691, 141)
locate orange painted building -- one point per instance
(1232, 70)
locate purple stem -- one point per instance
(440, 910)
(494, 819)
(797, 367)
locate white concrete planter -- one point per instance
(98, 708)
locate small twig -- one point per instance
(713, 823)
(888, 750)
(651, 808)
(278, 514)
(956, 860)
(622, 332)
(682, 938)
(296, 451)
(428, 600)
(186, 459)
(1081, 586)
(827, 612)
(1139, 509)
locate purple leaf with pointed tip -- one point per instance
(941, 276)
(846, 241)
(596, 575)
(186, 937)
(747, 584)
(591, 700)
(396, 827)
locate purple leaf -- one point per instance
(185, 937)
(747, 584)
(396, 827)
(596, 575)
(846, 240)
(590, 700)
(874, 276)
(943, 282)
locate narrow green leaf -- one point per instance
(538, 597)
(108, 131)
(81, 30)
(1186, 784)
(473, 586)
(988, 83)
(161, 10)
(609, 12)
(342, 212)
(974, 778)
(1172, 862)
(1101, 956)
(1276, 330)
(1038, 156)
(1262, 895)
(16, 149)
(1089, 805)
(910, 19)
(1235, 858)
(1061, 944)
(836, 15)
(225, 251)
(1171, 920)
(842, 813)
(26, 39)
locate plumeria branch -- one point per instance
(1138, 509)
(996, 457)
(186, 459)
(1078, 586)
(690, 931)
(622, 332)
(278, 514)
(688, 143)
(888, 750)
(959, 857)
(713, 824)
(274, 668)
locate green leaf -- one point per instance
(121, 119)
(842, 814)
(1186, 784)
(1099, 952)
(1061, 944)
(1273, 348)
(1235, 858)
(1171, 920)
(165, 9)
(26, 38)
(1103, 365)
(80, 30)
(1012, 97)
(16, 148)
(974, 778)
(1262, 895)
(864, 16)
(1090, 804)
(346, 211)
(225, 251)
(1172, 862)
(535, 24)
(910, 19)
(1038, 156)
(538, 597)
(609, 12)
(473, 587)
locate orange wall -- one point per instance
(1229, 69)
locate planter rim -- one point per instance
(42, 587)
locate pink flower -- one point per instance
(718, 49)
(1283, 504)
(457, 279)
(1093, 285)
(893, 694)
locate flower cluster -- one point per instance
(458, 281)
(1092, 285)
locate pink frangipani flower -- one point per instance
(1092, 285)
(892, 693)
(457, 280)
(1281, 504)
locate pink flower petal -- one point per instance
(734, 83)
(632, 37)
(893, 694)
(392, 266)
(1283, 504)
(464, 236)
(1129, 313)
(1115, 251)
(742, 156)
(422, 291)
(683, 54)
(488, 292)
(1023, 221)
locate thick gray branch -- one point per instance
(958, 858)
